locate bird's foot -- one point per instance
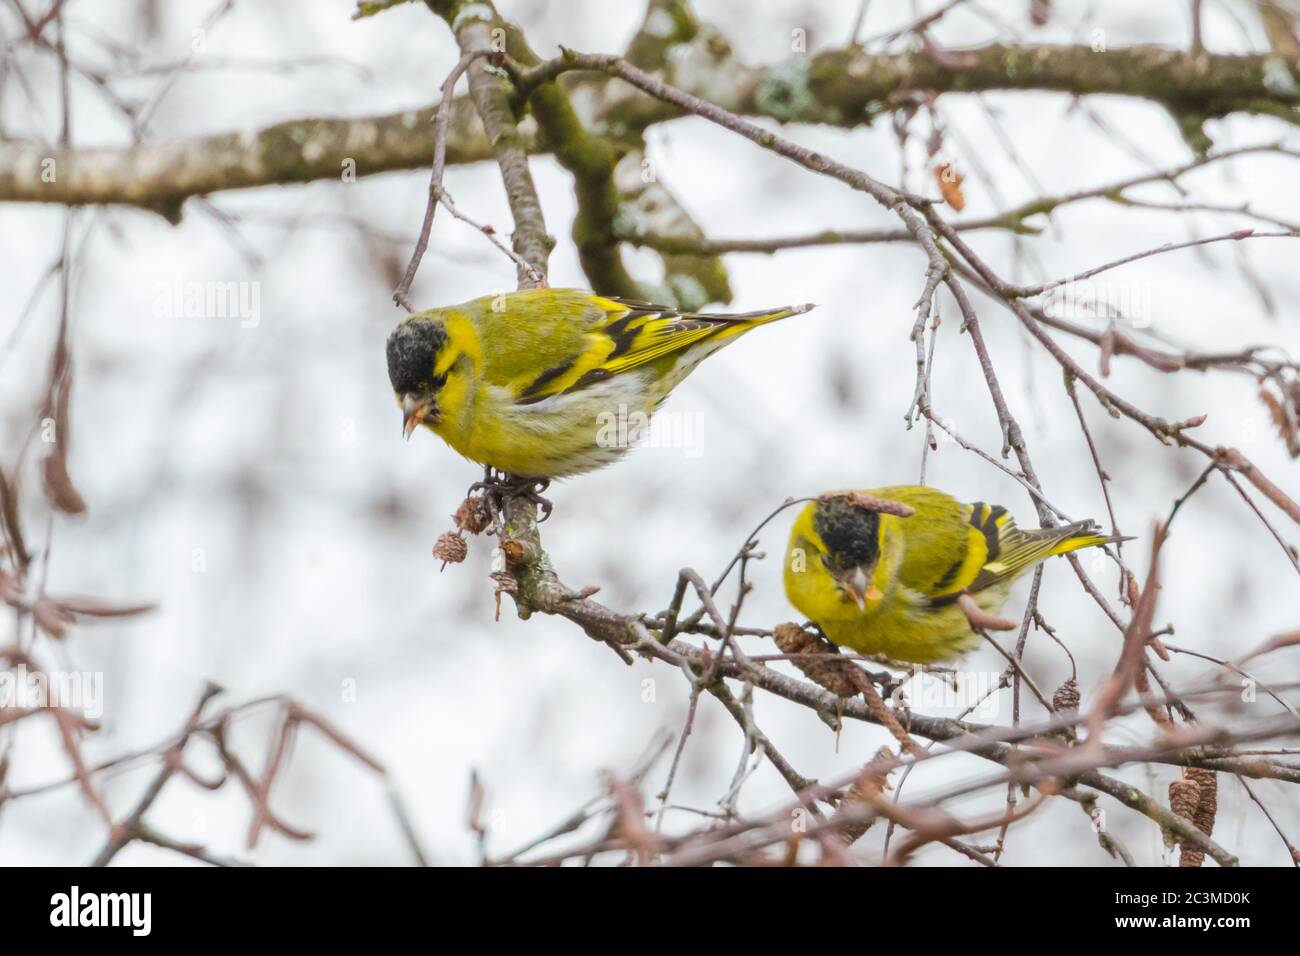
(500, 488)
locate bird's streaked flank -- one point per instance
(884, 582)
(520, 382)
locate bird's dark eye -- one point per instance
(438, 382)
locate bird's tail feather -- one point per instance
(1081, 534)
(1021, 550)
(761, 317)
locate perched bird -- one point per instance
(529, 382)
(888, 584)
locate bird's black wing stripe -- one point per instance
(622, 335)
(985, 521)
(530, 394)
(590, 378)
(950, 575)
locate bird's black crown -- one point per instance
(850, 532)
(413, 351)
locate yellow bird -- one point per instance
(888, 584)
(545, 383)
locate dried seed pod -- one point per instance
(866, 789)
(1066, 698)
(793, 639)
(1184, 799)
(450, 548)
(513, 551)
(1184, 795)
(1208, 806)
(473, 515)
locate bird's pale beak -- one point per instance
(861, 589)
(413, 412)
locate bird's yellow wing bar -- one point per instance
(1013, 550)
(632, 334)
(981, 544)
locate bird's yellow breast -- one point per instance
(906, 629)
(564, 434)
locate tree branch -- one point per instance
(846, 87)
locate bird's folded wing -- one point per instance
(1017, 550)
(625, 335)
(946, 542)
